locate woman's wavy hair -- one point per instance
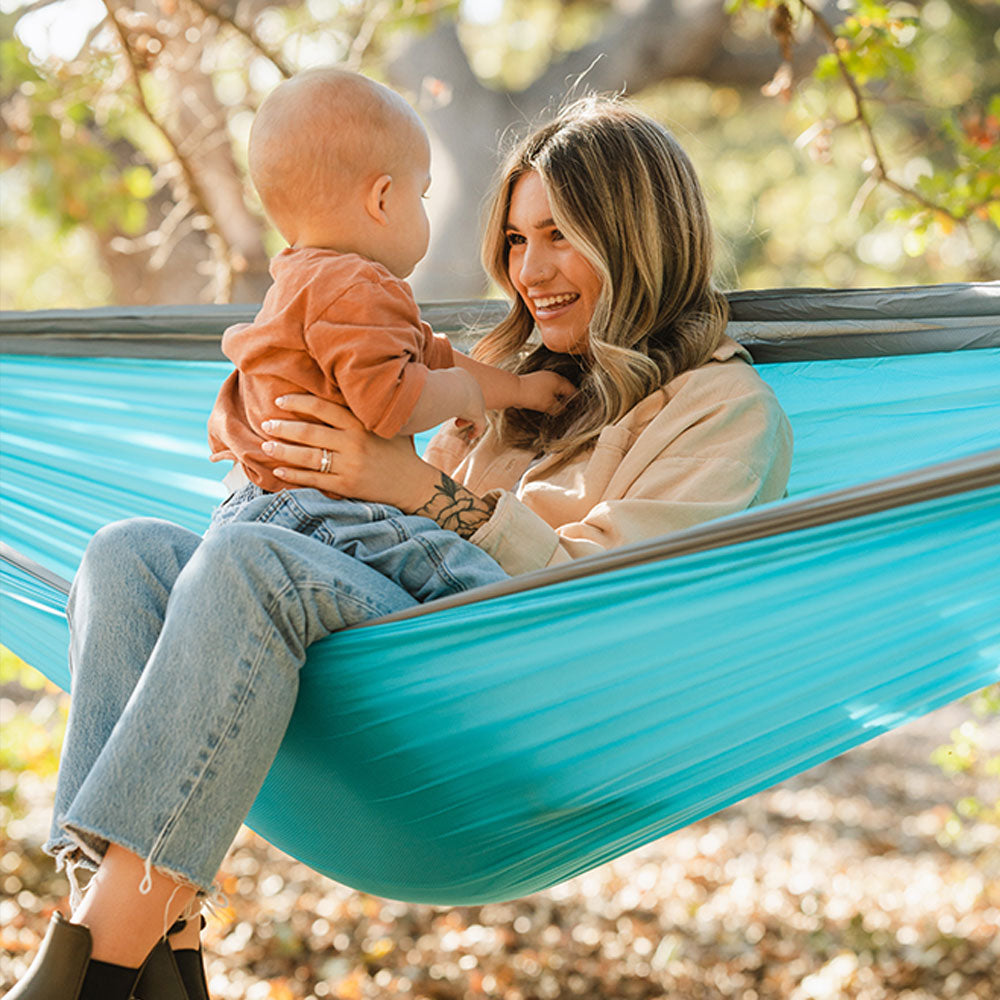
(625, 195)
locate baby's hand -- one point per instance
(544, 391)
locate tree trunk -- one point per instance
(643, 43)
(197, 124)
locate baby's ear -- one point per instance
(377, 198)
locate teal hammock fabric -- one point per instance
(485, 755)
(484, 752)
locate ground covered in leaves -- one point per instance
(853, 881)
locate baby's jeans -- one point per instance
(185, 655)
(414, 552)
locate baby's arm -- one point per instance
(471, 387)
(447, 393)
(544, 391)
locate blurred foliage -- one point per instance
(912, 91)
(33, 717)
(970, 753)
(13, 670)
(41, 264)
(798, 194)
(511, 43)
(63, 125)
(33, 720)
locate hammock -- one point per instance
(493, 744)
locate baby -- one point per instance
(341, 165)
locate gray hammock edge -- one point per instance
(933, 482)
(776, 325)
(12, 557)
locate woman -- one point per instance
(599, 231)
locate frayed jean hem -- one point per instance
(79, 849)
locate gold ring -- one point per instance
(324, 466)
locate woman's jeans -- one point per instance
(413, 552)
(185, 653)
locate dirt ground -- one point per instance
(849, 882)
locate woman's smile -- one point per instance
(549, 306)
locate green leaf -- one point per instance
(132, 217)
(138, 181)
(827, 67)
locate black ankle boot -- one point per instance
(63, 968)
(170, 975)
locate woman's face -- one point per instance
(556, 282)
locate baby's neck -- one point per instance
(323, 242)
(343, 231)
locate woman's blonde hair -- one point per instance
(625, 195)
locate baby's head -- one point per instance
(340, 161)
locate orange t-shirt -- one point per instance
(335, 325)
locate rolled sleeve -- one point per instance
(521, 541)
(438, 352)
(701, 491)
(515, 536)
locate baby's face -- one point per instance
(410, 230)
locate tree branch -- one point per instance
(248, 33)
(365, 33)
(880, 171)
(220, 247)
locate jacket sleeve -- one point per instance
(729, 459)
(371, 343)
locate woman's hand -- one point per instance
(361, 465)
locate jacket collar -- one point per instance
(729, 348)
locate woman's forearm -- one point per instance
(455, 508)
(367, 467)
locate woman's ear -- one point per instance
(377, 198)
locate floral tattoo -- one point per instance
(456, 509)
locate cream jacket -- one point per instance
(711, 442)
